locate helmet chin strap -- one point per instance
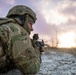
(18, 20)
(26, 24)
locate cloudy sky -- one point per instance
(55, 18)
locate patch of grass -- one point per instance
(66, 50)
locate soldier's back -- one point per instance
(18, 47)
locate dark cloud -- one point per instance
(71, 10)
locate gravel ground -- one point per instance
(54, 63)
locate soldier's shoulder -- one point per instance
(5, 20)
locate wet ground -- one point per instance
(54, 63)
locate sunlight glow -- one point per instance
(67, 40)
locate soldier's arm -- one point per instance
(2, 53)
(2, 47)
(3, 39)
(25, 56)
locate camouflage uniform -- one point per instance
(16, 46)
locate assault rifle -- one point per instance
(38, 43)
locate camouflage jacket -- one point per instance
(17, 47)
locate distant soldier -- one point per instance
(16, 48)
(37, 43)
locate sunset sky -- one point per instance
(55, 18)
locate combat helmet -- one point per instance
(22, 10)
